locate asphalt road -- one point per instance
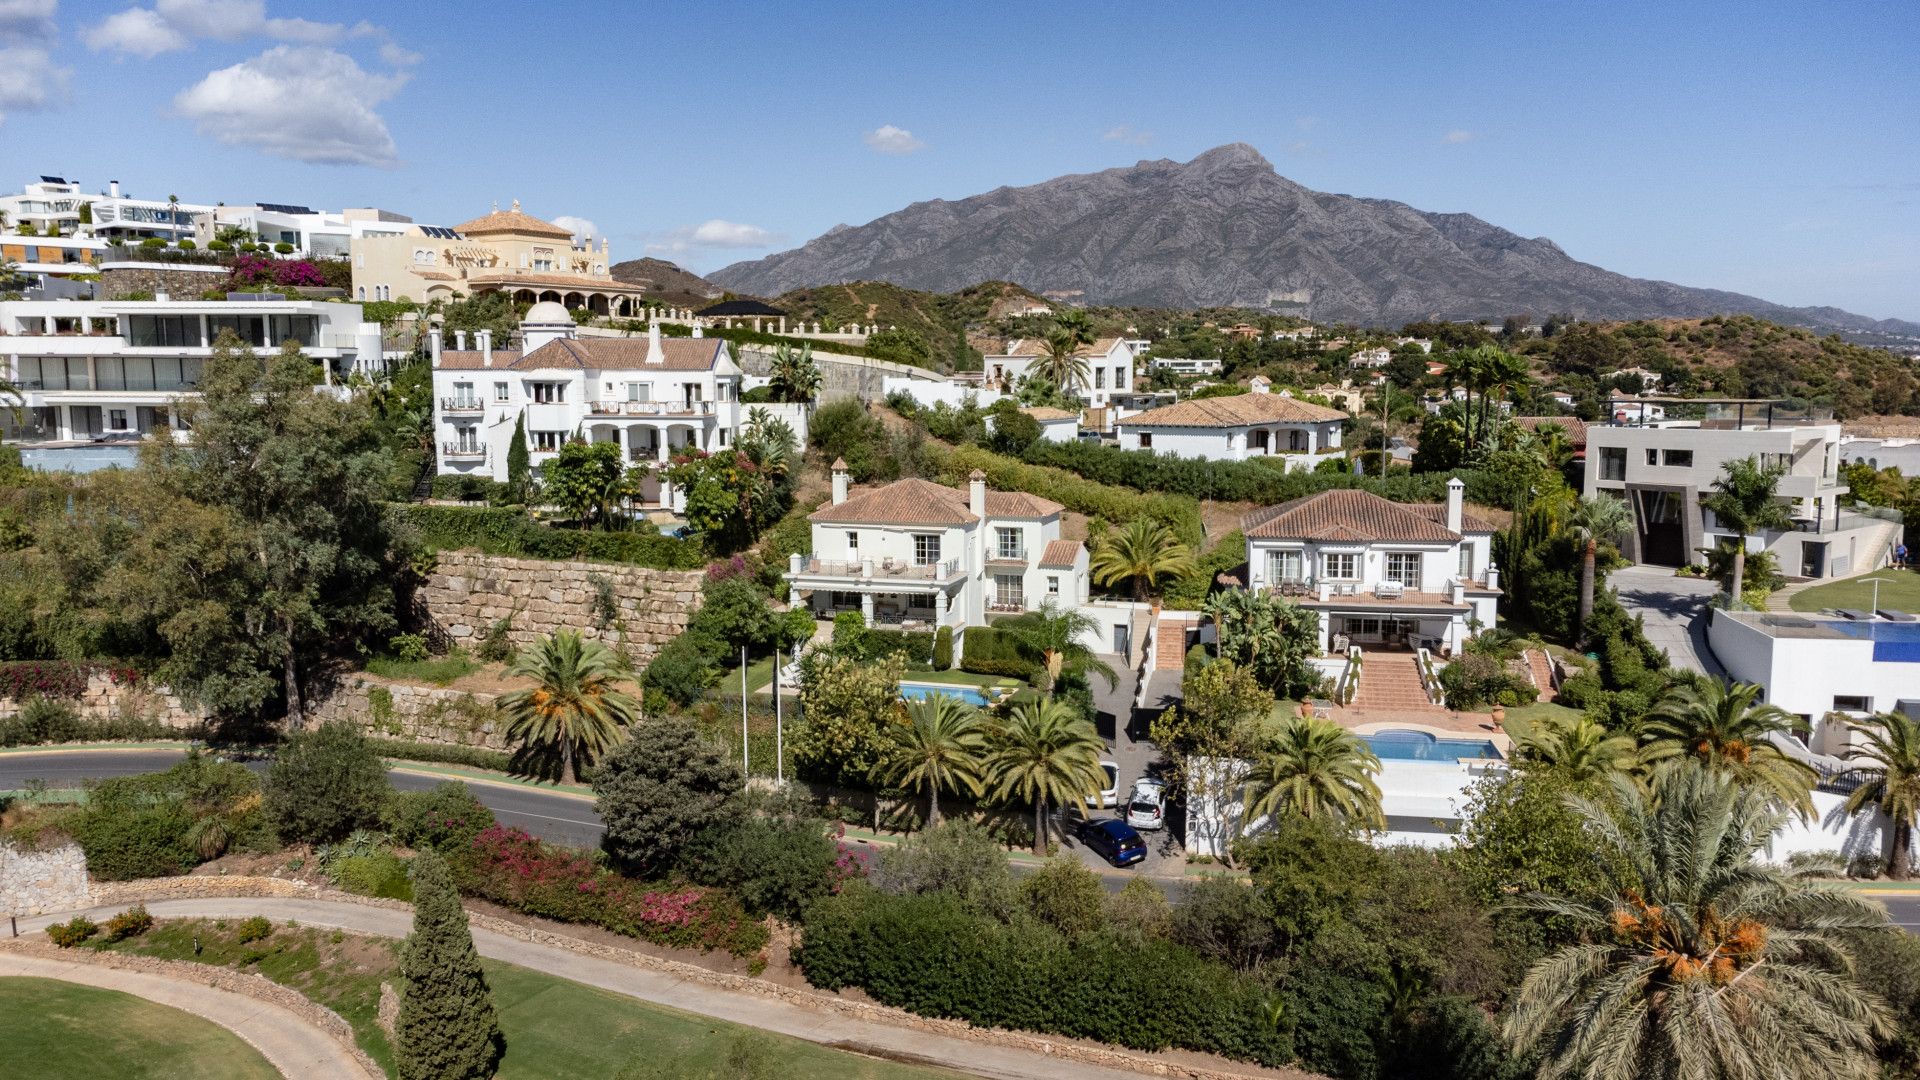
(1905, 909)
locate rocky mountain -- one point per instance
(1226, 229)
(667, 282)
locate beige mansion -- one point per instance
(505, 251)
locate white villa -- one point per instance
(1183, 365)
(653, 396)
(1109, 368)
(1379, 572)
(920, 555)
(1237, 428)
(1056, 425)
(97, 370)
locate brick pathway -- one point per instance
(1392, 681)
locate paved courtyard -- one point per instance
(1674, 610)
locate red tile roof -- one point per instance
(513, 221)
(922, 502)
(599, 354)
(1353, 516)
(1060, 554)
(1240, 410)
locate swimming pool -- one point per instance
(1420, 746)
(1892, 641)
(972, 695)
(80, 459)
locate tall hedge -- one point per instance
(986, 651)
(506, 531)
(933, 955)
(1180, 512)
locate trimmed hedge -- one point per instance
(933, 955)
(943, 649)
(501, 531)
(986, 651)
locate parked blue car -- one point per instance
(1116, 841)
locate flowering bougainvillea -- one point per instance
(22, 679)
(510, 867)
(253, 271)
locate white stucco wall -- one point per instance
(1803, 675)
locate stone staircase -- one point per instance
(1540, 669)
(1391, 680)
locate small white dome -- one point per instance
(548, 313)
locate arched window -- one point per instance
(363, 292)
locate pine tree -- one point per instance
(447, 1029)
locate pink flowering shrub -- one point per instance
(729, 568)
(507, 866)
(252, 271)
(23, 679)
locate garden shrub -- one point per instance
(661, 790)
(73, 932)
(444, 818)
(382, 874)
(914, 648)
(1474, 680)
(943, 649)
(512, 868)
(503, 531)
(136, 842)
(1181, 513)
(683, 670)
(24, 679)
(986, 651)
(325, 784)
(774, 866)
(130, 923)
(253, 928)
(476, 757)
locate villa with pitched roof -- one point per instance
(1380, 573)
(1237, 428)
(652, 396)
(1109, 363)
(919, 555)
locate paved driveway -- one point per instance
(1126, 733)
(1674, 610)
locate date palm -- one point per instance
(1891, 762)
(1054, 637)
(577, 707)
(1046, 753)
(1697, 959)
(796, 378)
(1723, 727)
(1582, 750)
(940, 746)
(1745, 503)
(1595, 518)
(1145, 553)
(1316, 769)
(1062, 365)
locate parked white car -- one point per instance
(1147, 804)
(1109, 790)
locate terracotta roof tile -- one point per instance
(1060, 554)
(512, 279)
(1239, 410)
(1575, 428)
(470, 359)
(1047, 413)
(1019, 504)
(513, 221)
(597, 354)
(922, 502)
(1438, 512)
(1348, 515)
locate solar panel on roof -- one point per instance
(52, 180)
(439, 232)
(284, 208)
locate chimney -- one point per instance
(483, 340)
(977, 494)
(433, 345)
(839, 481)
(656, 356)
(460, 340)
(698, 330)
(1455, 517)
(113, 188)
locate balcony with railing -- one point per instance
(454, 451)
(652, 408)
(1016, 554)
(880, 569)
(1004, 603)
(461, 405)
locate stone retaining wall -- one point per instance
(468, 592)
(118, 283)
(257, 987)
(103, 699)
(36, 882)
(421, 714)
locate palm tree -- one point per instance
(1505, 375)
(1744, 503)
(577, 706)
(1063, 366)
(1046, 753)
(1722, 727)
(1582, 750)
(1468, 369)
(173, 216)
(1053, 637)
(1316, 769)
(1891, 762)
(1146, 552)
(1077, 324)
(796, 378)
(940, 746)
(1696, 959)
(1595, 518)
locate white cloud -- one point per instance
(27, 20)
(297, 101)
(712, 234)
(1125, 134)
(887, 139)
(580, 227)
(29, 79)
(134, 32)
(1457, 136)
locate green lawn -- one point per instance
(438, 670)
(759, 674)
(1524, 720)
(52, 1030)
(1899, 590)
(554, 1028)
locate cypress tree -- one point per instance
(519, 466)
(447, 1029)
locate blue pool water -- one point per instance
(1420, 746)
(914, 691)
(1892, 641)
(80, 459)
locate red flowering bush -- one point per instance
(253, 271)
(507, 866)
(23, 679)
(728, 568)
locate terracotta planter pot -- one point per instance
(1499, 714)
(1306, 710)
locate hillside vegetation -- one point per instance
(940, 320)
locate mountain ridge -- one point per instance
(1226, 229)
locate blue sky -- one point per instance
(1772, 149)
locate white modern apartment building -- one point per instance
(107, 369)
(1237, 428)
(652, 396)
(53, 204)
(1662, 468)
(1380, 573)
(1186, 365)
(319, 233)
(920, 555)
(1109, 371)
(38, 258)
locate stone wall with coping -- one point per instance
(421, 714)
(104, 698)
(36, 882)
(179, 283)
(468, 592)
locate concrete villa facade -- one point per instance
(1236, 428)
(507, 251)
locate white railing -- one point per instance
(880, 568)
(652, 408)
(455, 450)
(1429, 680)
(1349, 685)
(454, 404)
